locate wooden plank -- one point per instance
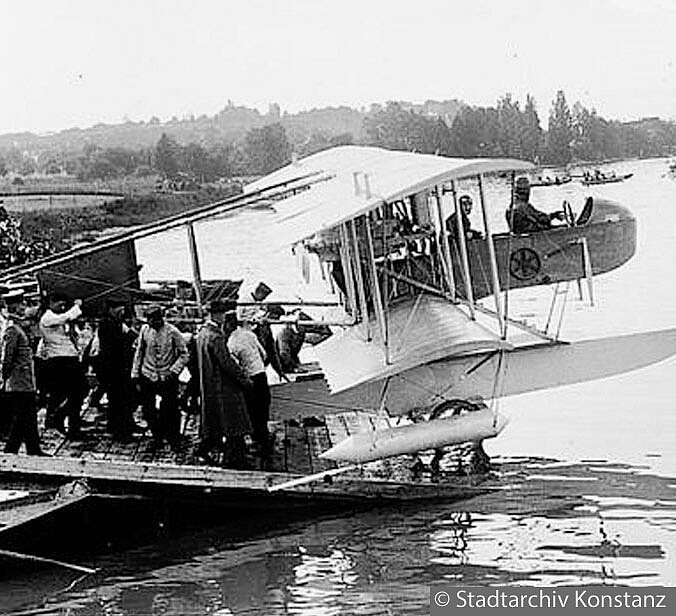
(337, 429)
(318, 442)
(297, 458)
(278, 431)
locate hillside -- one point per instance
(229, 124)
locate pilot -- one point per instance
(524, 218)
(465, 203)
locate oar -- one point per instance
(310, 478)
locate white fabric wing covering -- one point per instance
(432, 330)
(333, 198)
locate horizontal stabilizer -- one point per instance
(378, 444)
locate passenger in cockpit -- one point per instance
(465, 203)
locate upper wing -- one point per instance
(356, 179)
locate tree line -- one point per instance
(509, 129)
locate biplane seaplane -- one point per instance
(421, 331)
(417, 342)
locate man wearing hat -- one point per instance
(161, 354)
(465, 207)
(64, 374)
(260, 316)
(523, 217)
(222, 383)
(18, 377)
(250, 354)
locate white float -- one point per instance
(377, 444)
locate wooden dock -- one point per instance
(141, 468)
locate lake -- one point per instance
(586, 474)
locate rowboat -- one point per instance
(606, 180)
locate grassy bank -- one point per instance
(61, 227)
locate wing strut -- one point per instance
(462, 242)
(494, 264)
(445, 247)
(375, 287)
(360, 281)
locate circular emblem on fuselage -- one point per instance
(524, 264)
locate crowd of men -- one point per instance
(219, 371)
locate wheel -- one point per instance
(453, 407)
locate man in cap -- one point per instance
(222, 383)
(16, 369)
(261, 315)
(161, 354)
(250, 354)
(465, 207)
(64, 376)
(523, 217)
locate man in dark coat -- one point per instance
(465, 207)
(221, 381)
(18, 378)
(113, 369)
(523, 217)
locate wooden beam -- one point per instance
(195, 265)
(360, 280)
(445, 246)
(375, 287)
(495, 280)
(348, 276)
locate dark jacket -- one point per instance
(16, 359)
(452, 227)
(221, 380)
(289, 343)
(115, 352)
(526, 219)
(265, 336)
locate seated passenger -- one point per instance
(524, 218)
(465, 203)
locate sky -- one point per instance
(70, 63)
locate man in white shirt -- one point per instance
(250, 355)
(64, 376)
